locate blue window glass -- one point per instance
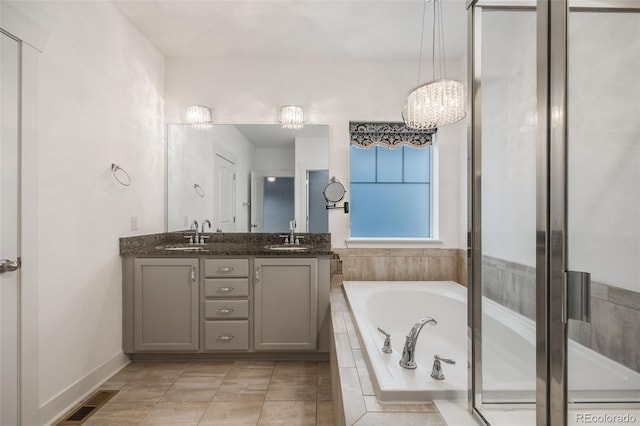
(389, 164)
(390, 210)
(391, 192)
(417, 164)
(363, 164)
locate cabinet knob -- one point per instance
(225, 311)
(225, 289)
(225, 338)
(225, 269)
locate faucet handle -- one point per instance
(445, 360)
(386, 347)
(190, 237)
(436, 371)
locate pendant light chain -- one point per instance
(424, 8)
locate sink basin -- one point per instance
(181, 248)
(285, 248)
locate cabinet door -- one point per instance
(286, 304)
(166, 305)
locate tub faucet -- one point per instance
(409, 351)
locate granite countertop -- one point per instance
(222, 244)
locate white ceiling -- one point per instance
(300, 30)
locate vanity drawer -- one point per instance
(226, 335)
(226, 268)
(226, 287)
(226, 309)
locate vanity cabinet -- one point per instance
(165, 305)
(226, 304)
(285, 304)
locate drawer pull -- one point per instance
(225, 289)
(225, 338)
(225, 269)
(225, 311)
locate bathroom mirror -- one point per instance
(247, 177)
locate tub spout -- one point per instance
(409, 351)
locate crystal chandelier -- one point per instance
(292, 117)
(439, 102)
(199, 116)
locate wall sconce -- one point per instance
(199, 116)
(292, 117)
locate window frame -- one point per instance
(434, 216)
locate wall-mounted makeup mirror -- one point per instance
(333, 193)
(254, 177)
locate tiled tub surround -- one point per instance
(399, 264)
(615, 312)
(354, 397)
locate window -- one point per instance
(391, 192)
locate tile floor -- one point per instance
(219, 393)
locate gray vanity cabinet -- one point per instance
(165, 299)
(285, 304)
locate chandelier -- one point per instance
(292, 117)
(199, 116)
(441, 101)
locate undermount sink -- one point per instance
(285, 248)
(181, 248)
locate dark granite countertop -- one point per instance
(223, 244)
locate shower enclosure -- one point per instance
(554, 213)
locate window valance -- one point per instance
(390, 135)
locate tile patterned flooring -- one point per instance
(219, 393)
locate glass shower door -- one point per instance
(603, 210)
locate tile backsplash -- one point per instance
(402, 264)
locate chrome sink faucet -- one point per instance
(194, 226)
(292, 227)
(409, 351)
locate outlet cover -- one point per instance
(134, 223)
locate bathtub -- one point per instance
(508, 348)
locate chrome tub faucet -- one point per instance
(409, 350)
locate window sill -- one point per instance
(391, 242)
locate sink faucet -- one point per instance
(292, 227)
(409, 351)
(194, 226)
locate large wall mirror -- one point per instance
(247, 177)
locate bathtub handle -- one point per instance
(436, 372)
(446, 360)
(386, 347)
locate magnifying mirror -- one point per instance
(333, 193)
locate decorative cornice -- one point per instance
(391, 135)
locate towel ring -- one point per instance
(199, 190)
(114, 171)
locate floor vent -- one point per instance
(81, 413)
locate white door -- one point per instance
(224, 199)
(257, 200)
(9, 225)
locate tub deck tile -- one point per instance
(373, 405)
(343, 351)
(354, 406)
(404, 419)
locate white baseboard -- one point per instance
(57, 406)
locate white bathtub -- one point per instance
(508, 347)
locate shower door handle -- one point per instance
(7, 265)
(578, 293)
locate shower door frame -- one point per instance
(551, 195)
